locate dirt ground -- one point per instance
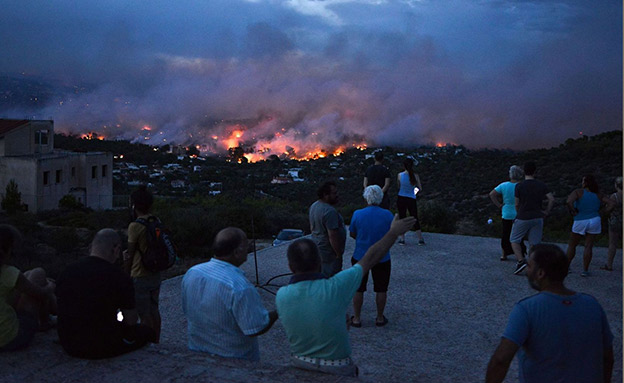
(448, 304)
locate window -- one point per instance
(46, 178)
(59, 176)
(41, 137)
(104, 170)
(73, 171)
(94, 172)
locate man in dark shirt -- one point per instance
(530, 217)
(90, 292)
(379, 175)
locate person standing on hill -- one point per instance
(368, 226)
(146, 283)
(584, 205)
(409, 186)
(328, 228)
(529, 195)
(507, 190)
(378, 174)
(615, 224)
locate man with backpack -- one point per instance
(143, 243)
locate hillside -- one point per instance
(456, 183)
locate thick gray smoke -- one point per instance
(324, 74)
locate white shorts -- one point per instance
(587, 226)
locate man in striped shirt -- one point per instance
(223, 309)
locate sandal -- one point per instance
(381, 324)
(354, 324)
(605, 267)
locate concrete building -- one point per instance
(44, 175)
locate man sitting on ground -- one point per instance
(563, 336)
(223, 309)
(313, 308)
(90, 292)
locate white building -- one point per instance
(44, 175)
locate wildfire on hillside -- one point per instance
(92, 136)
(280, 145)
(257, 140)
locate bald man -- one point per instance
(223, 309)
(90, 292)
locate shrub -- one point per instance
(435, 217)
(12, 200)
(69, 202)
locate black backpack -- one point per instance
(161, 252)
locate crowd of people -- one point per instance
(104, 310)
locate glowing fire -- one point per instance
(279, 143)
(92, 136)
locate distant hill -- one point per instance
(456, 181)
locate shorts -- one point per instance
(329, 269)
(587, 226)
(381, 276)
(146, 294)
(28, 326)
(532, 228)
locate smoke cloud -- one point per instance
(312, 75)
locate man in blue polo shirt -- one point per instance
(313, 308)
(223, 309)
(562, 335)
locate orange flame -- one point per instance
(92, 136)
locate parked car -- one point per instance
(287, 235)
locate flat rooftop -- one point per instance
(448, 304)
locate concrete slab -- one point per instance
(448, 304)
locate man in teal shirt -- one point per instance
(313, 308)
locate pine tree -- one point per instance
(12, 201)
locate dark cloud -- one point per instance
(506, 74)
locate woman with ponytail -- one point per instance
(584, 205)
(409, 186)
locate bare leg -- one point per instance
(380, 300)
(419, 234)
(613, 242)
(587, 253)
(517, 249)
(572, 243)
(153, 320)
(358, 300)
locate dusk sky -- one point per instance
(504, 74)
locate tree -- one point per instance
(12, 201)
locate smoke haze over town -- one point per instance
(306, 75)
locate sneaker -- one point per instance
(421, 243)
(520, 265)
(585, 274)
